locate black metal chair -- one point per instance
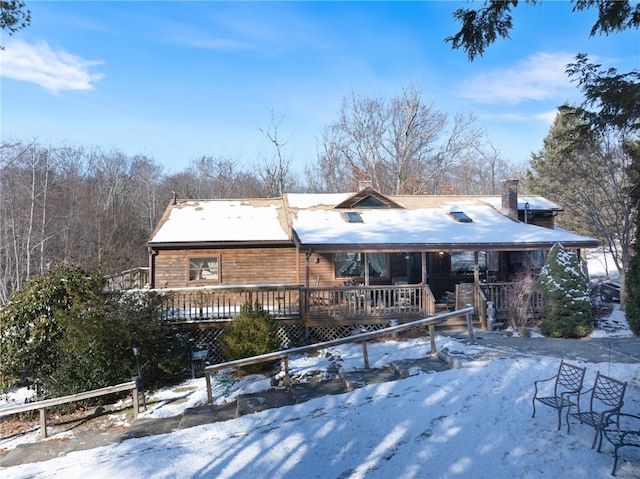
(568, 381)
(605, 397)
(620, 430)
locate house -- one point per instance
(349, 255)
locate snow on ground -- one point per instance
(471, 422)
(463, 423)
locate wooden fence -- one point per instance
(47, 403)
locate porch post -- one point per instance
(151, 280)
(425, 274)
(476, 268)
(479, 305)
(366, 269)
(306, 283)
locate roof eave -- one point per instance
(217, 244)
(419, 247)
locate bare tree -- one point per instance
(403, 146)
(276, 171)
(414, 130)
(25, 186)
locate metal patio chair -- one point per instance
(568, 381)
(605, 397)
(620, 430)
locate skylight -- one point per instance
(460, 217)
(353, 217)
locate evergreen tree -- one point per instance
(566, 295)
(633, 275)
(565, 169)
(633, 290)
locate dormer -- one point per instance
(368, 198)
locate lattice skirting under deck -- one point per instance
(290, 335)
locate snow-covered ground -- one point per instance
(463, 423)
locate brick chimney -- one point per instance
(510, 198)
(363, 184)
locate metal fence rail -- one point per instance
(430, 321)
(43, 405)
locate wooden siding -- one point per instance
(321, 271)
(237, 266)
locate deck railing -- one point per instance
(220, 303)
(499, 293)
(369, 301)
(224, 302)
(134, 278)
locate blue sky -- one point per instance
(179, 80)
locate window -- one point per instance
(462, 263)
(351, 265)
(525, 261)
(204, 269)
(370, 202)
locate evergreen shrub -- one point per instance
(251, 333)
(70, 336)
(565, 289)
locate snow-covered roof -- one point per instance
(312, 220)
(198, 221)
(536, 203)
(427, 226)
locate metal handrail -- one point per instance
(431, 321)
(47, 403)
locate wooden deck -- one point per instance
(342, 305)
(293, 302)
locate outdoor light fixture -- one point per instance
(135, 346)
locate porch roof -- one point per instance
(427, 228)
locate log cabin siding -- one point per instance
(237, 266)
(320, 270)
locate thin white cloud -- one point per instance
(539, 77)
(547, 116)
(54, 70)
(521, 117)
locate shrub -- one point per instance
(251, 333)
(30, 322)
(632, 284)
(74, 337)
(566, 295)
(518, 300)
(97, 344)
